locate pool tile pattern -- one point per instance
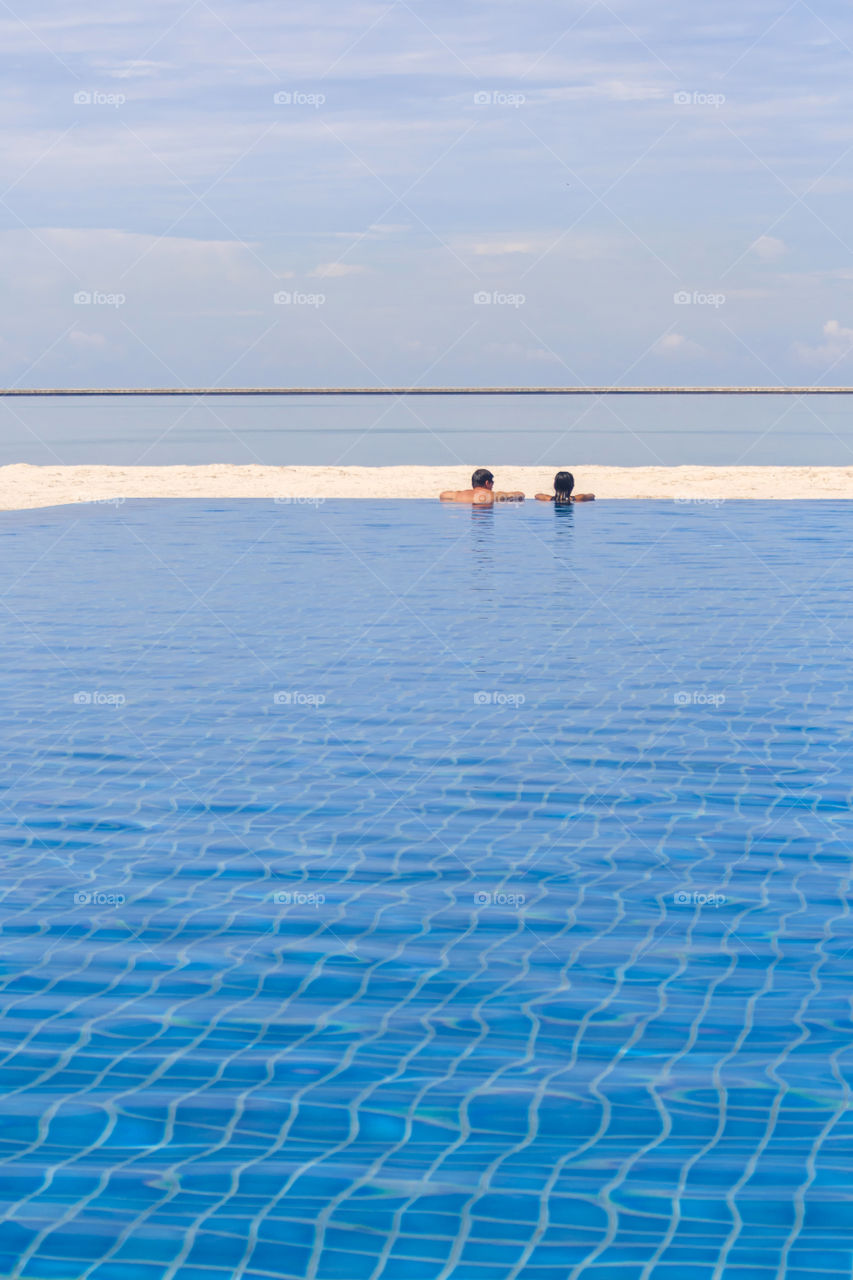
(398, 892)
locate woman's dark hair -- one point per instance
(564, 482)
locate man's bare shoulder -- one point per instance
(479, 497)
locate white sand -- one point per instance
(23, 485)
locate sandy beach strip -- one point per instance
(25, 486)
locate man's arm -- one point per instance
(514, 496)
(477, 497)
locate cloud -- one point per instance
(518, 351)
(672, 344)
(838, 345)
(749, 295)
(139, 70)
(125, 296)
(502, 248)
(578, 246)
(768, 248)
(831, 186)
(118, 260)
(625, 91)
(400, 136)
(82, 339)
(332, 270)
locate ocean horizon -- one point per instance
(430, 430)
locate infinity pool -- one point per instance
(405, 892)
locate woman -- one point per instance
(564, 483)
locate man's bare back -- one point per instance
(482, 492)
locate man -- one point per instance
(481, 493)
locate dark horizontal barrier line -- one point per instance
(427, 391)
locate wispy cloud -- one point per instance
(769, 248)
(583, 159)
(838, 345)
(334, 270)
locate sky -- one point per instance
(527, 193)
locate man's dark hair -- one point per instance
(564, 482)
(480, 478)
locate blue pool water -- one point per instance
(409, 892)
